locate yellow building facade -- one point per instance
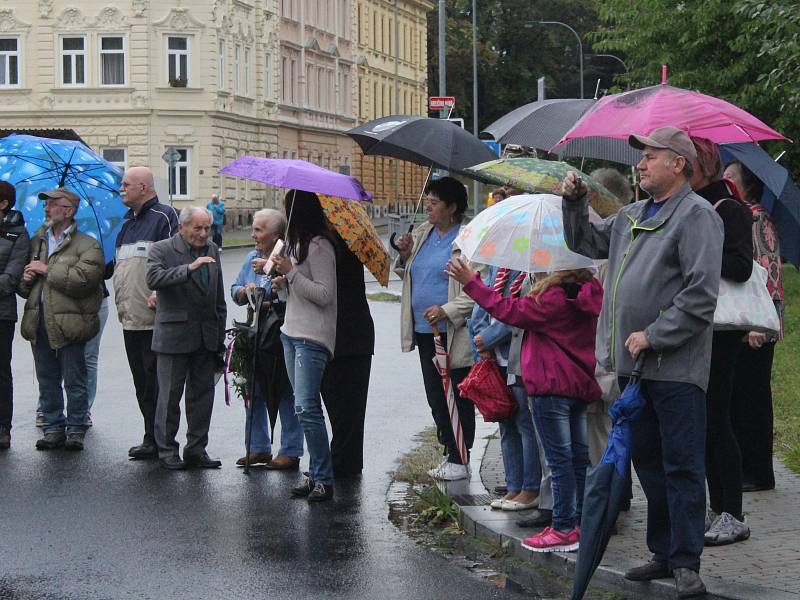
(392, 63)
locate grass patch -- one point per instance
(434, 507)
(383, 297)
(786, 376)
(424, 455)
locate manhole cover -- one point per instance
(472, 499)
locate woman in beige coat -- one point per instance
(430, 296)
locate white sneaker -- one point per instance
(449, 472)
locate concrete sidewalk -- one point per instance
(765, 567)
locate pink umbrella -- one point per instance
(642, 111)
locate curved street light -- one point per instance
(580, 43)
(615, 57)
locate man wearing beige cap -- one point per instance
(62, 286)
(664, 255)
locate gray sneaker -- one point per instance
(726, 530)
(711, 516)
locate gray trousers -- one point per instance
(195, 372)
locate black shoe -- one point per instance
(655, 569)
(689, 584)
(173, 463)
(74, 441)
(51, 441)
(304, 490)
(539, 518)
(500, 489)
(321, 493)
(5, 438)
(752, 486)
(201, 461)
(143, 452)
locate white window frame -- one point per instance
(237, 65)
(102, 53)
(5, 59)
(73, 59)
(246, 75)
(177, 54)
(221, 66)
(123, 164)
(173, 179)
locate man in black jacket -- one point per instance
(14, 243)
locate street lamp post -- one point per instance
(580, 44)
(615, 57)
(475, 185)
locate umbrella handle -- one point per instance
(435, 329)
(638, 366)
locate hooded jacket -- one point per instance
(14, 245)
(663, 279)
(557, 357)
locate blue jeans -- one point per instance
(92, 352)
(67, 365)
(519, 448)
(291, 431)
(668, 450)
(305, 364)
(561, 423)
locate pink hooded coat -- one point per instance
(558, 348)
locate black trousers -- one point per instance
(345, 387)
(723, 457)
(6, 382)
(438, 402)
(142, 362)
(752, 413)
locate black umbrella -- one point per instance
(542, 124)
(423, 141)
(607, 484)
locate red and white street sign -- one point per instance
(441, 102)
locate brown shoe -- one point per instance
(284, 463)
(256, 458)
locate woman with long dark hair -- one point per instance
(309, 329)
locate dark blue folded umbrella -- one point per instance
(781, 196)
(607, 484)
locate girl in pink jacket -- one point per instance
(559, 317)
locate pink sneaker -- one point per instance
(553, 540)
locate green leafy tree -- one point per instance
(745, 51)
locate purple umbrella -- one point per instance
(297, 175)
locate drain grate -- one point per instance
(472, 499)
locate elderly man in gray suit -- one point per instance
(189, 330)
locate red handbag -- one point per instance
(485, 386)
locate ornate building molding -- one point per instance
(138, 7)
(45, 8)
(72, 18)
(9, 22)
(179, 19)
(111, 17)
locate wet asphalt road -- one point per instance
(93, 525)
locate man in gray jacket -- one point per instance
(664, 256)
(189, 331)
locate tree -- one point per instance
(745, 51)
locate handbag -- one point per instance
(485, 386)
(747, 306)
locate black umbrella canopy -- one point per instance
(611, 149)
(539, 124)
(423, 141)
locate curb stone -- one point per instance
(500, 528)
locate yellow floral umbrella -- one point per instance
(352, 222)
(539, 176)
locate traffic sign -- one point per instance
(493, 146)
(171, 156)
(441, 102)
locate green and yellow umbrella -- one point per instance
(539, 176)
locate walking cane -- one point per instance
(257, 299)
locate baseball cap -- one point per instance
(668, 137)
(61, 193)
